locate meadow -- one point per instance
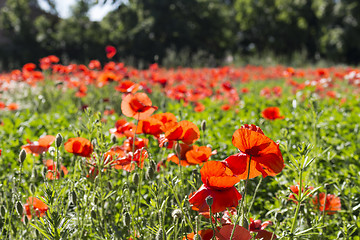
(92, 152)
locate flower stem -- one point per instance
(298, 204)
(242, 203)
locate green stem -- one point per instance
(298, 204)
(242, 203)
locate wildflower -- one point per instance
(240, 233)
(184, 131)
(295, 190)
(127, 87)
(150, 126)
(53, 172)
(206, 234)
(218, 182)
(40, 146)
(137, 105)
(110, 51)
(272, 113)
(13, 106)
(35, 205)
(122, 128)
(266, 157)
(79, 146)
(130, 160)
(332, 205)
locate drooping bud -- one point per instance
(136, 178)
(19, 208)
(127, 219)
(22, 156)
(58, 140)
(150, 173)
(26, 220)
(73, 197)
(32, 189)
(113, 139)
(3, 211)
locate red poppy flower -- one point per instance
(165, 117)
(219, 184)
(184, 148)
(332, 205)
(137, 105)
(131, 160)
(150, 126)
(123, 128)
(110, 51)
(204, 234)
(272, 113)
(35, 206)
(184, 131)
(264, 152)
(295, 190)
(240, 233)
(40, 146)
(139, 143)
(79, 146)
(127, 87)
(13, 106)
(198, 155)
(51, 166)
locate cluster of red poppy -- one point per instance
(188, 85)
(323, 202)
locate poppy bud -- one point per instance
(93, 213)
(32, 189)
(150, 173)
(176, 213)
(209, 200)
(2, 211)
(62, 174)
(94, 142)
(197, 237)
(19, 208)
(203, 125)
(44, 172)
(166, 144)
(73, 197)
(26, 220)
(245, 223)
(136, 178)
(127, 219)
(113, 139)
(58, 140)
(51, 151)
(110, 186)
(22, 155)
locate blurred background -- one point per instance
(181, 32)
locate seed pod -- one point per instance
(127, 219)
(203, 125)
(22, 156)
(32, 189)
(245, 223)
(19, 208)
(136, 178)
(209, 200)
(176, 214)
(58, 140)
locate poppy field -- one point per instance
(107, 151)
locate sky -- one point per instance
(96, 13)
